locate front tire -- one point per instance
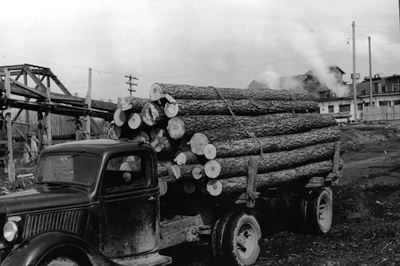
(65, 256)
(241, 238)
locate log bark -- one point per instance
(251, 146)
(159, 140)
(244, 107)
(141, 136)
(158, 90)
(238, 184)
(168, 171)
(152, 113)
(132, 103)
(190, 125)
(237, 166)
(297, 124)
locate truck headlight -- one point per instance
(10, 231)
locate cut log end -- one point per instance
(180, 159)
(176, 171)
(210, 151)
(155, 92)
(189, 187)
(176, 128)
(134, 121)
(163, 186)
(197, 173)
(214, 187)
(197, 143)
(119, 117)
(171, 109)
(150, 114)
(212, 169)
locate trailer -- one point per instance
(99, 202)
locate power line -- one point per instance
(130, 83)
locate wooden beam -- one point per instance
(11, 166)
(23, 86)
(35, 79)
(59, 84)
(89, 104)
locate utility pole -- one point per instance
(89, 104)
(354, 71)
(130, 83)
(370, 73)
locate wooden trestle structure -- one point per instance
(31, 88)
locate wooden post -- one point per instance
(47, 117)
(354, 71)
(89, 103)
(40, 130)
(26, 99)
(11, 166)
(370, 72)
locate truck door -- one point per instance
(130, 205)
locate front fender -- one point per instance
(29, 252)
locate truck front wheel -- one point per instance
(65, 256)
(240, 242)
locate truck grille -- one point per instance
(67, 221)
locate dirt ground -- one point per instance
(366, 229)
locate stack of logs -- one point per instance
(205, 137)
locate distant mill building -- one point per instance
(385, 96)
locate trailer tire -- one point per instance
(217, 235)
(320, 211)
(65, 256)
(241, 239)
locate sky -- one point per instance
(222, 43)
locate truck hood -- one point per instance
(42, 198)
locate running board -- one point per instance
(154, 259)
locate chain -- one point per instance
(250, 134)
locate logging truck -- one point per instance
(99, 202)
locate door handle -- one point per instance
(152, 198)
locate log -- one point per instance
(214, 187)
(131, 103)
(237, 166)
(212, 169)
(162, 184)
(186, 157)
(159, 141)
(197, 143)
(297, 124)
(171, 108)
(244, 107)
(192, 171)
(114, 132)
(119, 117)
(251, 146)
(168, 171)
(158, 90)
(134, 121)
(152, 113)
(190, 125)
(176, 128)
(210, 151)
(238, 184)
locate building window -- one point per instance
(344, 108)
(396, 102)
(363, 92)
(360, 107)
(331, 109)
(376, 91)
(384, 103)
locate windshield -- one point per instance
(73, 168)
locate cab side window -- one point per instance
(128, 170)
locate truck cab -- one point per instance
(95, 202)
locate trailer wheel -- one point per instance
(241, 238)
(320, 211)
(217, 235)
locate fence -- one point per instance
(381, 113)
